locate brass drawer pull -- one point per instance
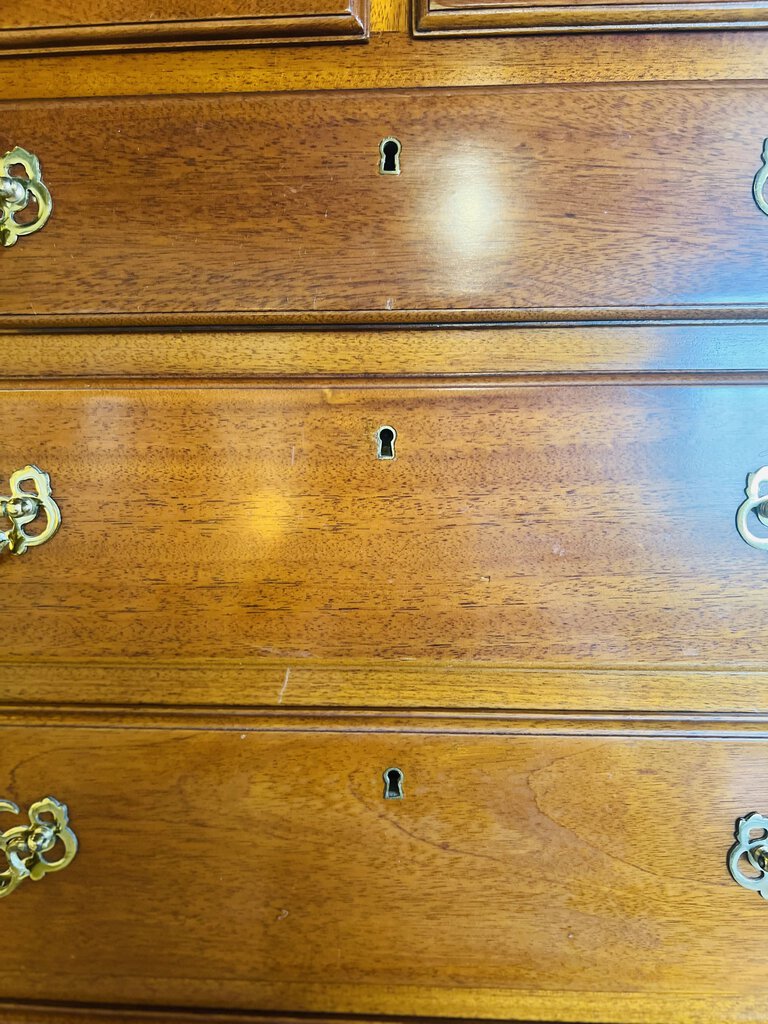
(24, 506)
(757, 503)
(16, 193)
(25, 846)
(761, 178)
(753, 849)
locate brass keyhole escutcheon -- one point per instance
(393, 784)
(389, 155)
(385, 443)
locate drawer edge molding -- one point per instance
(427, 688)
(547, 725)
(418, 352)
(432, 18)
(350, 25)
(372, 319)
(486, 1005)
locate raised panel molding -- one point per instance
(472, 17)
(265, 22)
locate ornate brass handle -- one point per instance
(761, 178)
(25, 846)
(23, 506)
(17, 191)
(757, 503)
(752, 849)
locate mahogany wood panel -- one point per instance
(566, 878)
(393, 60)
(478, 17)
(417, 352)
(37, 26)
(29, 1012)
(355, 685)
(32, 1013)
(575, 203)
(583, 526)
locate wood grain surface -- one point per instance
(29, 1012)
(477, 353)
(503, 210)
(581, 526)
(471, 17)
(391, 59)
(37, 27)
(541, 611)
(261, 869)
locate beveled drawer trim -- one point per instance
(545, 1007)
(418, 352)
(339, 688)
(340, 21)
(432, 18)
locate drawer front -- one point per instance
(38, 27)
(557, 203)
(475, 17)
(562, 526)
(259, 867)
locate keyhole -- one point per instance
(385, 442)
(393, 784)
(389, 150)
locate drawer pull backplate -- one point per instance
(24, 506)
(25, 846)
(756, 502)
(16, 193)
(761, 179)
(752, 848)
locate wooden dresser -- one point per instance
(384, 516)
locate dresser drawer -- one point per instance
(557, 203)
(248, 528)
(514, 17)
(257, 865)
(42, 26)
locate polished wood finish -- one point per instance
(34, 27)
(261, 866)
(556, 526)
(541, 610)
(29, 1012)
(514, 222)
(477, 17)
(460, 354)
(393, 60)
(354, 684)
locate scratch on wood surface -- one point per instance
(284, 687)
